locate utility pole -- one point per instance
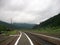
(11, 21)
(10, 26)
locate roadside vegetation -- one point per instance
(6, 29)
(49, 27)
(12, 32)
(48, 31)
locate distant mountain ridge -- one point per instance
(4, 25)
(23, 25)
(52, 22)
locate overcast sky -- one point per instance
(28, 11)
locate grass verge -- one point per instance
(12, 32)
(48, 31)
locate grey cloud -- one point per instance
(5, 4)
(12, 10)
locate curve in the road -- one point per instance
(21, 34)
(29, 39)
(18, 39)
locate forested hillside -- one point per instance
(52, 22)
(4, 26)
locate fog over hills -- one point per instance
(23, 25)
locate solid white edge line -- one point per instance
(18, 39)
(29, 39)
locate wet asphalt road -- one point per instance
(36, 40)
(23, 40)
(26, 39)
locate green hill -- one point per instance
(52, 22)
(4, 26)
(49, 27)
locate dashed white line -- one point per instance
(18, 39)
(29, 39)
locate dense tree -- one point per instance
(52, 22)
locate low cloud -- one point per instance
(28, 11)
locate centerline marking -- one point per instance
(18, 39)
(29, 39)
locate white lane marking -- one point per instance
(29, 39)
(18, 39)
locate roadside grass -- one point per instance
(6, 34)
(12, 32)
(48, 31)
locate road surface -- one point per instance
(25, 38)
